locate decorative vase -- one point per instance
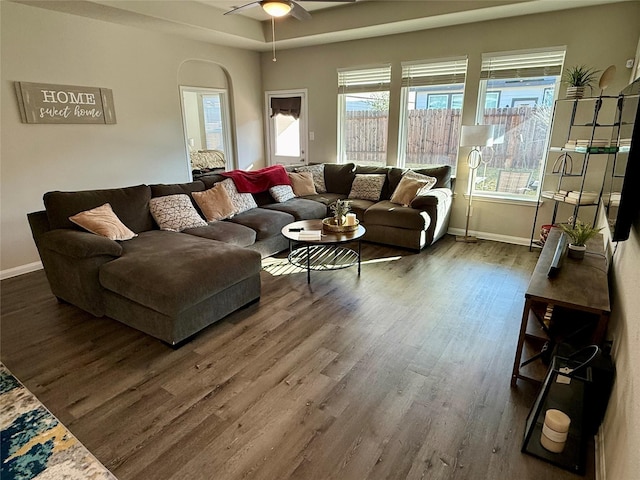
(576, 251)
(575, 92)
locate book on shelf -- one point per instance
(590, 196)
(310, 235)
(580, 201)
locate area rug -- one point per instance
(34, 444)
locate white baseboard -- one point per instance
(491, 236)
(21, 270)
(601, 471)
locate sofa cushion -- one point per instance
(102, 221)
(442, 173)
(170, 272)
(367, 186)
(130, 204)
(302, 183)
(175, 213)
(282, 193)
(338, 177)
(326, 198)
(317, 172)
(300, 208)
(162, 190)
(241, 201)
(359, 206)
(394, 215)
(215, 203)
(394, 175)
(266, 223)
(227, 232)
(211, 179)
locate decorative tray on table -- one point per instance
(330, 224)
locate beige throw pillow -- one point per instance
(102, 221)
(410, 186)
(317, 171)
(302, 184)
(214, 203)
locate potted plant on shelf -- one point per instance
(578, 78)
(579, 235)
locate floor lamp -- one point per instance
(475, 136)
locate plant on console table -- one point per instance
(340, 209)
(579, 235)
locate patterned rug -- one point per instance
(34, 444)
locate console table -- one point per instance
(577, 295)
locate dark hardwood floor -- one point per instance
(401, 373)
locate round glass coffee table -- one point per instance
(327, 253)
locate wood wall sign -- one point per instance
(47, 103)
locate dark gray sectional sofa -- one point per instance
(171, 285)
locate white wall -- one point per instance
(147, 145)
(596, 36)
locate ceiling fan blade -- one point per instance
(298, 11)
(242, 7)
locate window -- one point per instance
(517, 90)
(430, 116)
(363, 115)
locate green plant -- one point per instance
(340, 208)
(581, 233)
(580, 76)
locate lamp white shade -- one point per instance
(476, 136)
(276, 8)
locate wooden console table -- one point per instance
(579, 290)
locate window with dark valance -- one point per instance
(289, 106)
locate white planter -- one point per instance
(575, 92)
(576, 251)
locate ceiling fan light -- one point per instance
(276, 8)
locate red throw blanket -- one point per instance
(258, 180)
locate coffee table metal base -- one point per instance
(324, 257)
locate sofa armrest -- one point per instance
(431, 198)
(77, 244)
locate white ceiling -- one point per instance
(204, 20)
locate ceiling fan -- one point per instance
(280, 8)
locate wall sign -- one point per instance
(47, 103)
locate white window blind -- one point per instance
(522, 64)
(440, 72)
(371, 79)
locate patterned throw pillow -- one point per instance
(302, 183)
(241, 201)
(367, 187)
(282, 193)
(318, 176)
(103, 221)
(175, 213)
(431, 181)
(214, 203)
